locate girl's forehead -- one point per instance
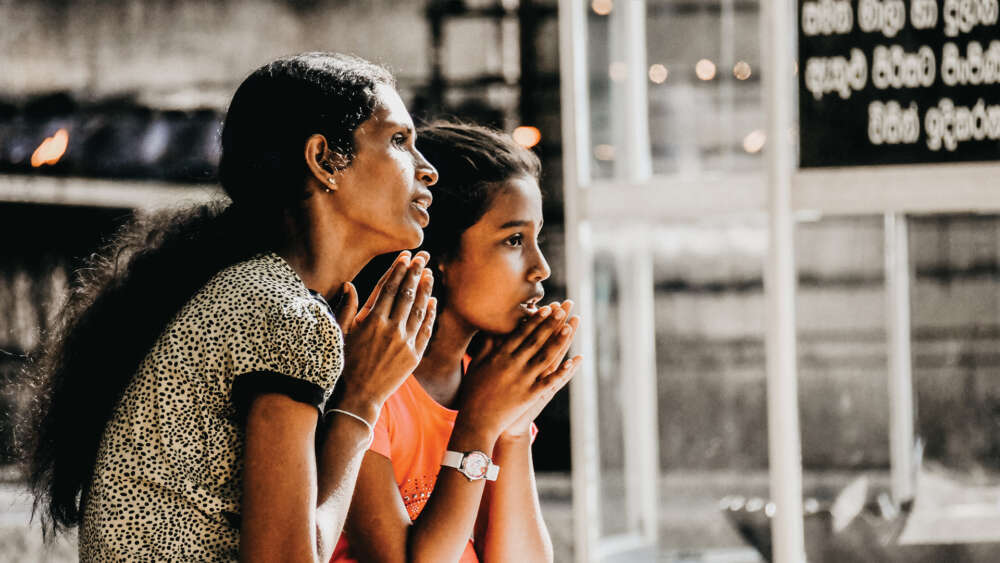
(518, 200)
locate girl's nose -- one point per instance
(540, 271)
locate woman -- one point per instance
(451, 459)
(179, 404)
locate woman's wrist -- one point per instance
(363, 407)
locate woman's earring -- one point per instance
(328, 189)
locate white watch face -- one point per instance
(475, 465)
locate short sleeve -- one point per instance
(293, 348)
(381, 443)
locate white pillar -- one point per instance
(897, 287)
(579, 274)
(640, 423)
(778, 28)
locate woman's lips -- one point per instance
(421, 211)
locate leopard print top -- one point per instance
(168, 478)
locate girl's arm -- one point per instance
(379, 528)
(510, 526)
(500, 387)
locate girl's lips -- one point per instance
(529, 308)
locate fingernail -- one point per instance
(565, 330)
(560, 313)
(568, 364)
(544, 312)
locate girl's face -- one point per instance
(385, 186)
(496, 279)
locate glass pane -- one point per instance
(955, 320)
(709, 303)
(703, 86)
(609, 398)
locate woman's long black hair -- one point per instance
(131, 289)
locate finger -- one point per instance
(567, 306)
(387, 294)
(551, 348)
(420, 302)
(515, 338)
(574, 323)
(407, 293)
(373, 297)
(540, 336)
(347, 309)
(552, 384)
(426, 327)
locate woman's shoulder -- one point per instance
(262, 285)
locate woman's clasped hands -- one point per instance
(385, 340)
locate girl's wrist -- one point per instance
(468, 436)
(512, 437)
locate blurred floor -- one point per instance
(690, 521)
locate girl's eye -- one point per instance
(399, 139)
(516, 240)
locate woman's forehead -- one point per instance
(389, 113)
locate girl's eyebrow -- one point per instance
(518, 223)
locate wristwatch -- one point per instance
(474, 465)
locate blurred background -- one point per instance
(109, 108)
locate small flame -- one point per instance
(51, 149)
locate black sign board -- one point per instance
(898, 81)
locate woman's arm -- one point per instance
(280, 493)
(283, 498)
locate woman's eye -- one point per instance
(516, 240)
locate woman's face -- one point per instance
(496, 279)
(384, 188)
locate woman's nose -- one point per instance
(426, 172)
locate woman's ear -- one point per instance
(323, 163)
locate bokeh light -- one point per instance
(742, 70)
(754, 141)
(658, 73)
(602, 7)
(527, 136)
(705, 69)
(604, 152)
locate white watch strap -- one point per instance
(493, 472)
(452, 459)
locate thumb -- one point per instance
(347, 308)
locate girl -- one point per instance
(430, 480)
(180, 402)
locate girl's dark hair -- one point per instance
(473, 162)
(130, 290)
